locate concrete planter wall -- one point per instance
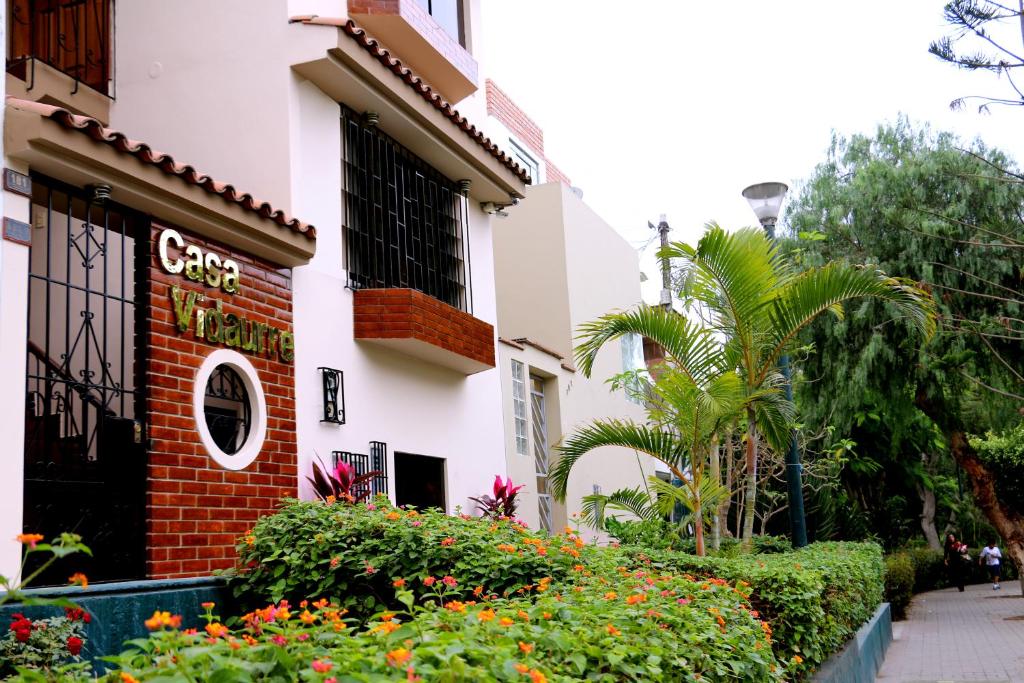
(119, 609)
(862, 657)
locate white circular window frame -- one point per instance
(258, 404)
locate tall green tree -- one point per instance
(756, 304)
(948, 217)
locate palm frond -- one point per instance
(657, 443)
(816, 291)
(635, 501)
(691, 348)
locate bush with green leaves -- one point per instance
(814, 598)
(899, 583)
(1003, 455)
(354, 553)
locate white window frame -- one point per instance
(529, 161)
(519, 409)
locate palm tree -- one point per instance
(682, 415)
(756, 304)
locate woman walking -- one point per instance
(953, 558)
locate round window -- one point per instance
(230, 409)
(227, 409)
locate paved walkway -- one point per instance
(977, 635)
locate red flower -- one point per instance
(22, 627)
(74, 645)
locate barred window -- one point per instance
(404, 222)
(519, 405)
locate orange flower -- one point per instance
(128, 678)
(456, 606)
(546, 615)
(537, 677)
(610, 595)
(505, 621)
(398, 657)
(478, 590)
(207, 605)
(448, 541)
(522, 668)
(162, 619)
(250, 540)
(79, 579)
(321, 667)
(523, 615)
(525, 648)
(612, 631)
(306, 617)
(485, 615)
(635, 598)
(393, 515)
(217, 630)
(398, 583)
(387, 616)
(798, 659)
(29, 539)
(429, 581)
(331, 499)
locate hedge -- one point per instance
(815, 598)
(458, 599)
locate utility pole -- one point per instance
(666, 273)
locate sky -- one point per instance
(673, 106)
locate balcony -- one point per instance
(426, 34)
(55, 47)
(417, 325)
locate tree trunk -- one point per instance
(931, 533)
(716, 475)
(698, 524)
(723, 508)
(751, 484)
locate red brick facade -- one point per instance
(197, 510)
(409, 314)
(501, 107)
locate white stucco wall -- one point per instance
(411, 405)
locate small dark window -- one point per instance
(227, 409)
(404, 222)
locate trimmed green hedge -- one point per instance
(815, 598)
(899, 583)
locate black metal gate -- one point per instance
(85, 462)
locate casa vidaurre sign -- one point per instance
(211, 322)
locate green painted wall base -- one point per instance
(862, 657)
(119, 609)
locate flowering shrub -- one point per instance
(42, 643)
(341, 485)
(604, 623)
(354, 553)
(814, 599)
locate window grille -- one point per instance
(404, 222)
(519, 405)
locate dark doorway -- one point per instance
(85, 462)
(419, 481)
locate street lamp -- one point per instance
(766, 201)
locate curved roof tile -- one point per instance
(395, 65)
(165, 162)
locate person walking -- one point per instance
(953, 558)
(991, 557)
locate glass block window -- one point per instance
(519, 406)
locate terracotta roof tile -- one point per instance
(165, 162)
(395, 65)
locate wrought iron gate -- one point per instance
(85, 462)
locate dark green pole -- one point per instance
(794, 469)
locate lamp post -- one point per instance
(766, 200)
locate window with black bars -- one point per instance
(404, 222)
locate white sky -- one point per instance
(674, 106)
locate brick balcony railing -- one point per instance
(418, 325)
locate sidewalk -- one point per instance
(977, 635)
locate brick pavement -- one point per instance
(950, 637)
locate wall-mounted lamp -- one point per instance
(334, 395)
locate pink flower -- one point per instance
(303, 636)
(321, 667)
(371, 506)
(683, 601)
(417, 523)
(450, 581)
(279, 640)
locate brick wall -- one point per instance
(195, 509)
(409, 314)
(501, 107)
